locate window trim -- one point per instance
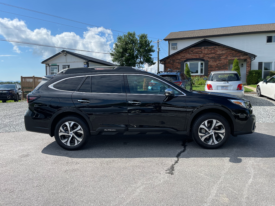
(199, 63)
(272, 69)
(174, 47)
(272, 39)
(126, 89)
(54, 66)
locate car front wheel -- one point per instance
(71, 133)
(211, 130)
(259, 91)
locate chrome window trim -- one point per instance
(51, 85)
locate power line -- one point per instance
(18, 42)
(80, 22)
(48, 21)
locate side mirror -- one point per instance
(265, 81)
(169, 92)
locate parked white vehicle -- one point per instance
(228, 82)
(267, 88)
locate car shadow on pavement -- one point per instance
(260, 101)
(254, 145)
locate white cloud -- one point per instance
(94, 39)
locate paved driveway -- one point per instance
(137, 170)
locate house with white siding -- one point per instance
(67, 59)
(215, 49)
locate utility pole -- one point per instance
(158, 52)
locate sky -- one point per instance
(97, 23)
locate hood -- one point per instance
(219, 94)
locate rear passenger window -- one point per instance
(86, 86)
(108, 84)
(69, 84)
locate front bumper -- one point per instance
(247, 127)
(238, 93)
(7, 96)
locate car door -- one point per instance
(148, 108)
(270, 88)
(103, 99)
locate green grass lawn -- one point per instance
(248, 90)
(10, 101)
(253, 85)
(198, 87)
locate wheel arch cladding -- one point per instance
(217, 111)
(63, 115)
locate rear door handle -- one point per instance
(83, 101)
(134, 102)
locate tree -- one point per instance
(132, 51)
(236, 67)
(187, 71)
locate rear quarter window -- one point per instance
(70, 84)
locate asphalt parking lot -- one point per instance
(137, 170)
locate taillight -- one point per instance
(209, 87)
(240, 87)
(31, 98)
(178, 83)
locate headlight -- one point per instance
(245, 104)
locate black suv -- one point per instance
(10, 92)
(72, 106)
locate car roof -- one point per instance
(220, 72)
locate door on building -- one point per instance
(242, 65)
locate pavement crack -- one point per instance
(171, 169)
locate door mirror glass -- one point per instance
(169, 92)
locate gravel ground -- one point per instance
(12, 114)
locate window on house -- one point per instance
(174, 46)
(196, 68)
(54, 69)
(65, 66)
(267, 67)
(270, 39)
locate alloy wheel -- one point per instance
(211, 132)
(71, 133)
(258, 91)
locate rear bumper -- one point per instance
(248, 127)
(234, 92)
(35, 125)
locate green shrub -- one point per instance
(267, 77)
(198, 80)
(272, 73)
(236, 67)
(260, 79)
(253, 77)
(187, 71)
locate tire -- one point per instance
(3, 101)
(71, 141)
(211, 139)
(17, 98)
(259, 91)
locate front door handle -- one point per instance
(134, 102)
(83, 101)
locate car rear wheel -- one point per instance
(259, 91)
(211, 130)
(71, 133)
(3, 101)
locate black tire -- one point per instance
(3, 101)
(259, 91)
(17, 98)
(84, 137)
(210, 142)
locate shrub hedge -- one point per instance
(272, 73)
(253, 77)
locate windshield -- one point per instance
(228, 77)
(170, 77)
(7, 86)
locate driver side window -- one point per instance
(139, 84)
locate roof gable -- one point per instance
(86, 58)
(207, 42)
